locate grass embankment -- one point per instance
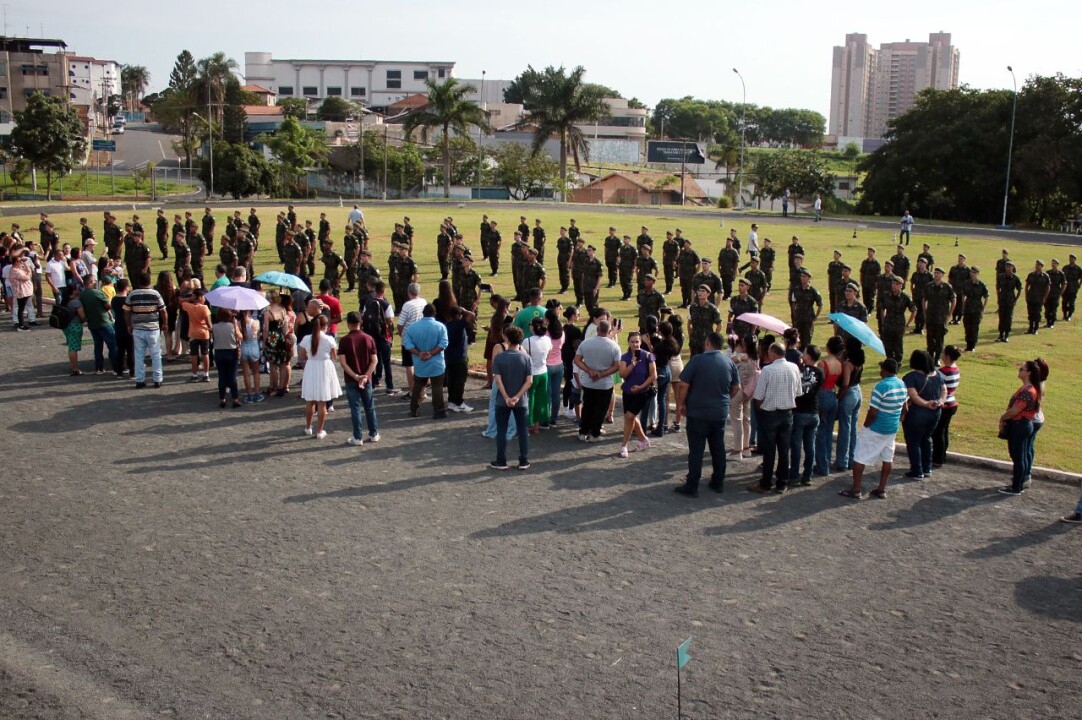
(81, 185)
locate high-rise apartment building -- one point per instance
(870, 86)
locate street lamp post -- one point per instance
(1010, 147)
(480, 131)
(210, 136)
(743, 127)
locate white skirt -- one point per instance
(320, 381)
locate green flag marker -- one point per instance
(682, 654)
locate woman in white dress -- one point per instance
(320, 380)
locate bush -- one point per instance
(725, 202)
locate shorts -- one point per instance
(676, 366)
(407, 358)
(635, 402)
(249, 351)
(873, 447)
(199, 348)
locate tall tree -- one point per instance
(296, 148)
(294, 107)
(447, 110)
(176, 106)
(560, 102)
(49, 135)
(134, 80)
(214, 73)
(335, 109)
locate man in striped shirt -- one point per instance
(875, 442)
(144, 314)
(410, 312)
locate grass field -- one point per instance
(988, 375)
(80, 185)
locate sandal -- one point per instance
(852, 495)
(881, 494)
(75, 373)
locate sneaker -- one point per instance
(1075, 517)
(498, 466)
(140, 385)
(392, 392)
(591, 439)
(259, 397)
(674, 428)
(454, 408)
(307, 430)
(524, 466)
(623, 451)
(465, 408)
(248, 400)
(157, 384)
(193, 378)
(373, 438)
(206, 377)
(582, 438)
(120, 376)
(354, 441)
(1009, 491)
(321, 434)
(642, 445)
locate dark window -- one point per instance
(394, 84)
(309, 90)
(331, 90)
(394, 74)
(357, 92)
(3, 93)
(285, 89)
(42, 70)
(442, 72)
(30, 91)
(420, 75)
(843, 185)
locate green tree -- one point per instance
(234, 119)
(294, 108)
(560, 102)
(176, 106)
(296, 148)
(336, 109)
(133, 82)
(447, 110)
(463, 153)
(239, 171)
(803, 172)
(522, 173)
(518, 89)
(49, 135)
(214, 73)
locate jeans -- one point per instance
(941, 438)
(105, 336)
(490, 431)
(125, 357)
(700, 434)
(1032, 448)
(226, 362)
(383, 364)
(803, 436)
(917, 427)
(848, 417)
(144, 340)
(455, 379)
(556, 381)
(359, 398)
(753, 436)
(1019, 440)
(502, 416)
(824, 440)
(1078, 507)
(664, 379)
(595, 406)
(775, 427)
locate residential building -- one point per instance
(619, 137)
(90, 79)
(869, 87)
(374, 83)
(639, 188)
(266, 95)
(30, 65)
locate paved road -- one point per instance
(142, 143)
(162, 558)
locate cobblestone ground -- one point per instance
(162, 558)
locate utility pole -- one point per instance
(480, 130)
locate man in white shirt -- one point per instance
(89, 260)
(775, 396)
(54, 275)
(412, 311)
(355, 215)
(753, 241)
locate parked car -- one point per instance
(118, 129)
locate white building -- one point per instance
(620, 137)
(375, 83)
(90, 79)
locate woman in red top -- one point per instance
(827, 402)
(1016, 423)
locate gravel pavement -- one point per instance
(163, 558)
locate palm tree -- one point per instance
(448, 110)
(558, 104)
(214, 71)
(134, 80)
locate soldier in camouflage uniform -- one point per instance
(645, 265)
(957, 276)
(626, 262)
(939, 302)
(334, 267)
(869, 279)
(882, 288)
(670, 251)
(579, 256)
(182, 255)
(495, 242)
(852, 307)
(539, 240)
(650, 301)
(974, 300)
(245, 249)
(364, 271)
(592, 272)
(208, 229)
(728, 260)
(892, 320)
(443, 249)
(1072, 275)
(794, 249)
(612, 255)
(929, 260)
(228, 257)
(834, 273)
(739, 304)
(533, 272)
(468, 288)
(1008, 290)
(486, 229)
(1037, 287)
(324, 229)
(758, 285)
(518, 261)
(795, 271)
(405, 273)
(1056, 282)
(138, 257)
(564, 246)
(767, 258)
(901, 263)
(349, 245)
(806, 304)
(709, 278)
(918, 283)
(292, 255)
(644, 239)
(198, 247)
(687, 264)
(703, 319)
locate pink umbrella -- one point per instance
(768, 322)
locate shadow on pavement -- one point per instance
(937, 507)
(798, 504)
(1050, 596)
(1007, 545)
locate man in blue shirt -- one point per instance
(875, 442)
(426, 340)
(707, 382)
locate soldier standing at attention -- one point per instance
(1008, 290)
(524, 229)
(687, 265)
(485, 230)
(579, 256)
(1056, 282)
(334, 267)
(253, 225)
(564, 246)
(644, 265)
(757, 282)
(407, 230)
(573, 231)
(767, 258)
(291, 217)
(1072, 275)
(349, 245)
(869, 279)
(245, 250)
(853, 308)
(958, 276)
(365, 271)
(650, 300)
(644, 239)
(883, 285)
(739, 304)
(670, 251)
(208, 229)
(311, 247)
(162, 234)
(539, 240)
(198, 247)
(728, 260)
(443, 249)
(794, 249)
(627, 258)
(399, 234)
(591, 279)
(901, 263)
(974, 300)
(939, 304)
(1037, 285)
(138, 257)
(111, 236)
(703, 319)
(518, 260)
(917, 285)
(495, 241)
(926, 253)
(1001, 265)
(227, 256)
(892, 320)
(281, 227)
(806, 304)
(324, 230)
(405, 273)
(794, 272)
(292, 255)
(533, 273)
(178, 226)
(468, 288)
(834, 272)
(182, 255)
(707, 277)
(612, 255)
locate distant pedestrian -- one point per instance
(907, 227)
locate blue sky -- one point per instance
(649, 50)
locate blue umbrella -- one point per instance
(281, 279)
(234, 297)
(859, 330)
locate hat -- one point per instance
(754, 259)
(580, 239)
(845, 267)
(888, 262)
(890, 365)
(1040, 262)
(798, 255)
(613, 228)
(897, 279)
(962, 256)
(974, 268)
(922, 260)
(650, 276)
(938, 270)
(852, 286)
(838, 253)
(1055, 261)
(591, 247)
(704, 286)
(805, 271)
(531, 250)
(745, 281)
(1073, 256)
(668, 232)
(90, 241)
(872, 249)
(1008, 262)
(705, 261)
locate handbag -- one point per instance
(1004, 433)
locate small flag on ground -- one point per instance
(682, 654)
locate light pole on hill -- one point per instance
(480, 130)
(743, 126)
(1010, 147)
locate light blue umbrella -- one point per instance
(281, 279)
(858, 330)
(234, 297)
